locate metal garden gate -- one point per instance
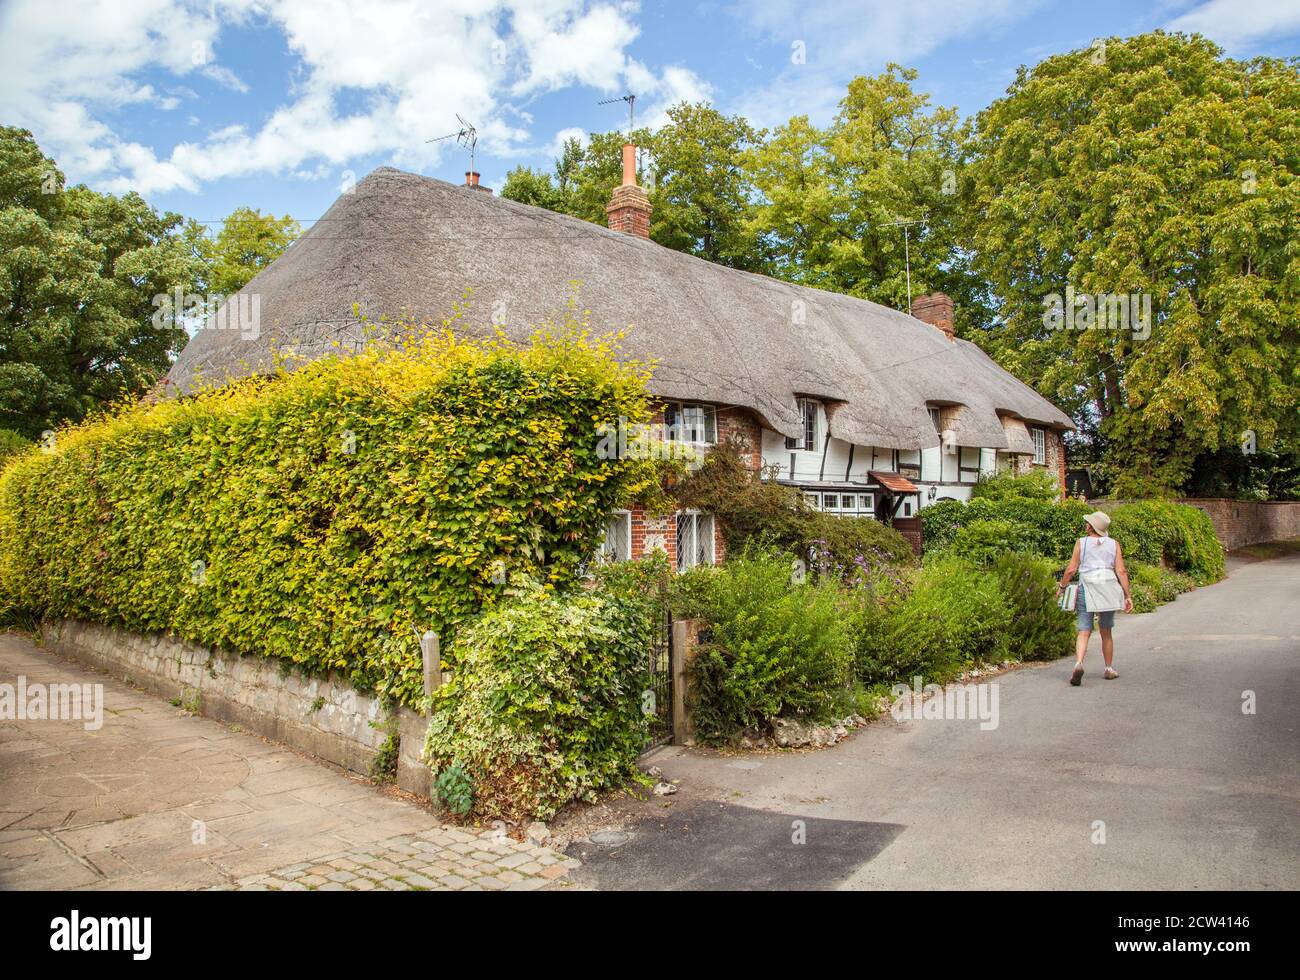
(657, 695)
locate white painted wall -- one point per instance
(837, 461)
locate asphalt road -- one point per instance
(1158, 779)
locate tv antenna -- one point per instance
(631, 110)
(907, 253)
(466, 136)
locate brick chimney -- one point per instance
(629, 207)
(471, 181)
(936, 310)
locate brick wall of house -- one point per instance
(741, 428)
(1240, 522)
(652, 532)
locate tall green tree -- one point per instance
(703, 196)
(1149, 166)
(534, 187)
(854, 206)
(248, 242)
(78, 274)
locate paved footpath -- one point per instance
(159, 799)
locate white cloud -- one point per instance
(828, 41)
(1234, 24)
(402, 68)
(556, 146)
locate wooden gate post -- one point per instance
(686, 633)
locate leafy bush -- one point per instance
(1038, 628)
(1144, 586)
(1152, 585)
(454, 789)
(328, 515)
(948, 615)
(981, 542)
(854, 549)
(775, 646)
(545, 704)
(1034, 485)
(940, 523)
(11, 444)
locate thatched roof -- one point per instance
(405, 243)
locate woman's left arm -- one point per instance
(1121, 572)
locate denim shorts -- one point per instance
(1083, 618)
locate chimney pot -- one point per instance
(629, 206)
(629, 165)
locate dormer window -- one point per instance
(691, 423)
(808, 412)
(934, 419)
(1040, 445)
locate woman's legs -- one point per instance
(1080, 648)
(1107, 645)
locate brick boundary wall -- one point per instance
(348, 728)
(1239, 523)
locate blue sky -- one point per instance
(205, 105)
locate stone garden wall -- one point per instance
(327, 718)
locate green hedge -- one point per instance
(984, 541)
(545, 706)
(328, 515)
(1150, 531)
(780, 645)
(1180, 534)
(1046, 528)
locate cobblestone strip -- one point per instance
(443, 859)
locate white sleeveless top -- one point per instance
(1096, 553)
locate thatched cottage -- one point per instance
(870, 412)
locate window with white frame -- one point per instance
(616, 543)
(808, 412)
(1040, 445)
(843, 504)
(692, 423)
(694, 539)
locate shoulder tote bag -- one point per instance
(1101, 589)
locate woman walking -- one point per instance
(1103, 588)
